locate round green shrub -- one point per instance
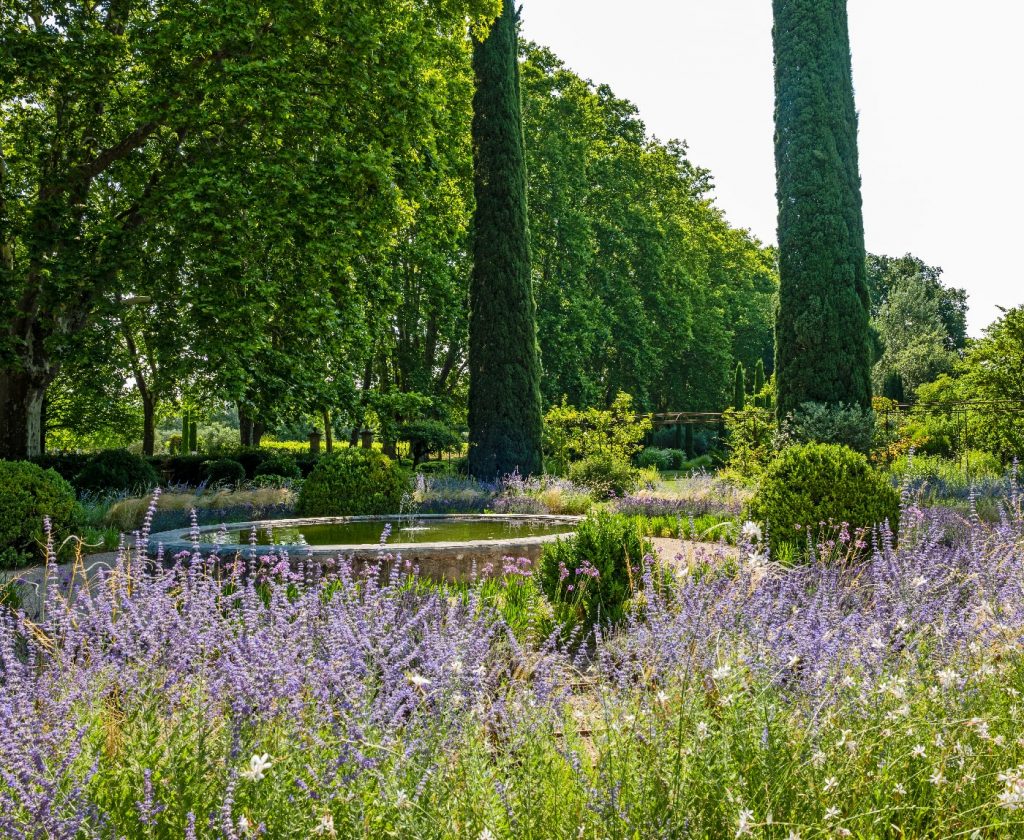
(279, 465)
(604, 474)
(819, 482)
(225, 471)
(353, 482)
(117, 470)
(27, 494)
(661, 459)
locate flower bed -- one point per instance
(880, 699)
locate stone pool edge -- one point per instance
(456, 557)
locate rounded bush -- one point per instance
(279, 465)
(818, 482)
(353, 482)
(27, 494)
(605, 475)
(117, 470)
(225, 471)
(661, 459)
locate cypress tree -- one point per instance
(823, 350)
(504, 366)
(739, 396)
(758, 382)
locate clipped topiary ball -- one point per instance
(353, 482)
(819, 482)
(118, 471)
(27, 494)
(225, 471)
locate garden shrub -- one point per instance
(605, 474)
(279, 465)
(821, 483)
(353, 482)
(27, 494)
(589, 576)
(117, 470)
(846, 425)
(225, 471)
(661, 459)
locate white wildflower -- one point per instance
(244, 825)
(662, 698)
(751, 532)
(326, 826)
(702, 731)
(456, 666)
(918, 751)
(948, 678)
(877, 643)
(793, 834)
(920, 581)
(1012, 797)
(745, 822)
(418, 680)
(831, 783)
(721, 673)
(818, 759)
(402, 799)
(899, 790)
(832, 814)
(485, 834)
(937, 778)
(258, 766)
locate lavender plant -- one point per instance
(271, 697)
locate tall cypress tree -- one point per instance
(739, 388)
(758, 383)
(504, 366)
(823, 350)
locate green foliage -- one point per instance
(605, 475)
(279, 465)
(117, 470)
(353, 482)
(224, 471)
(428, 436)
(750, 439)
(661, 459)
(888, 275)
(505, 412)
(590, 576)
(845, 425)
(571, 434)
(634, 264)
(823, 349)
(917, 346)
(991, 375)
(822, 483)
(27, 494)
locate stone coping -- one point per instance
(177, 540)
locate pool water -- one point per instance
(403, 532)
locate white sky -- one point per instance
(940, 90)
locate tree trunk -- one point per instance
(148, 425)
(328, 431)
(258, 429)
(245, 428)
(21, 415)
